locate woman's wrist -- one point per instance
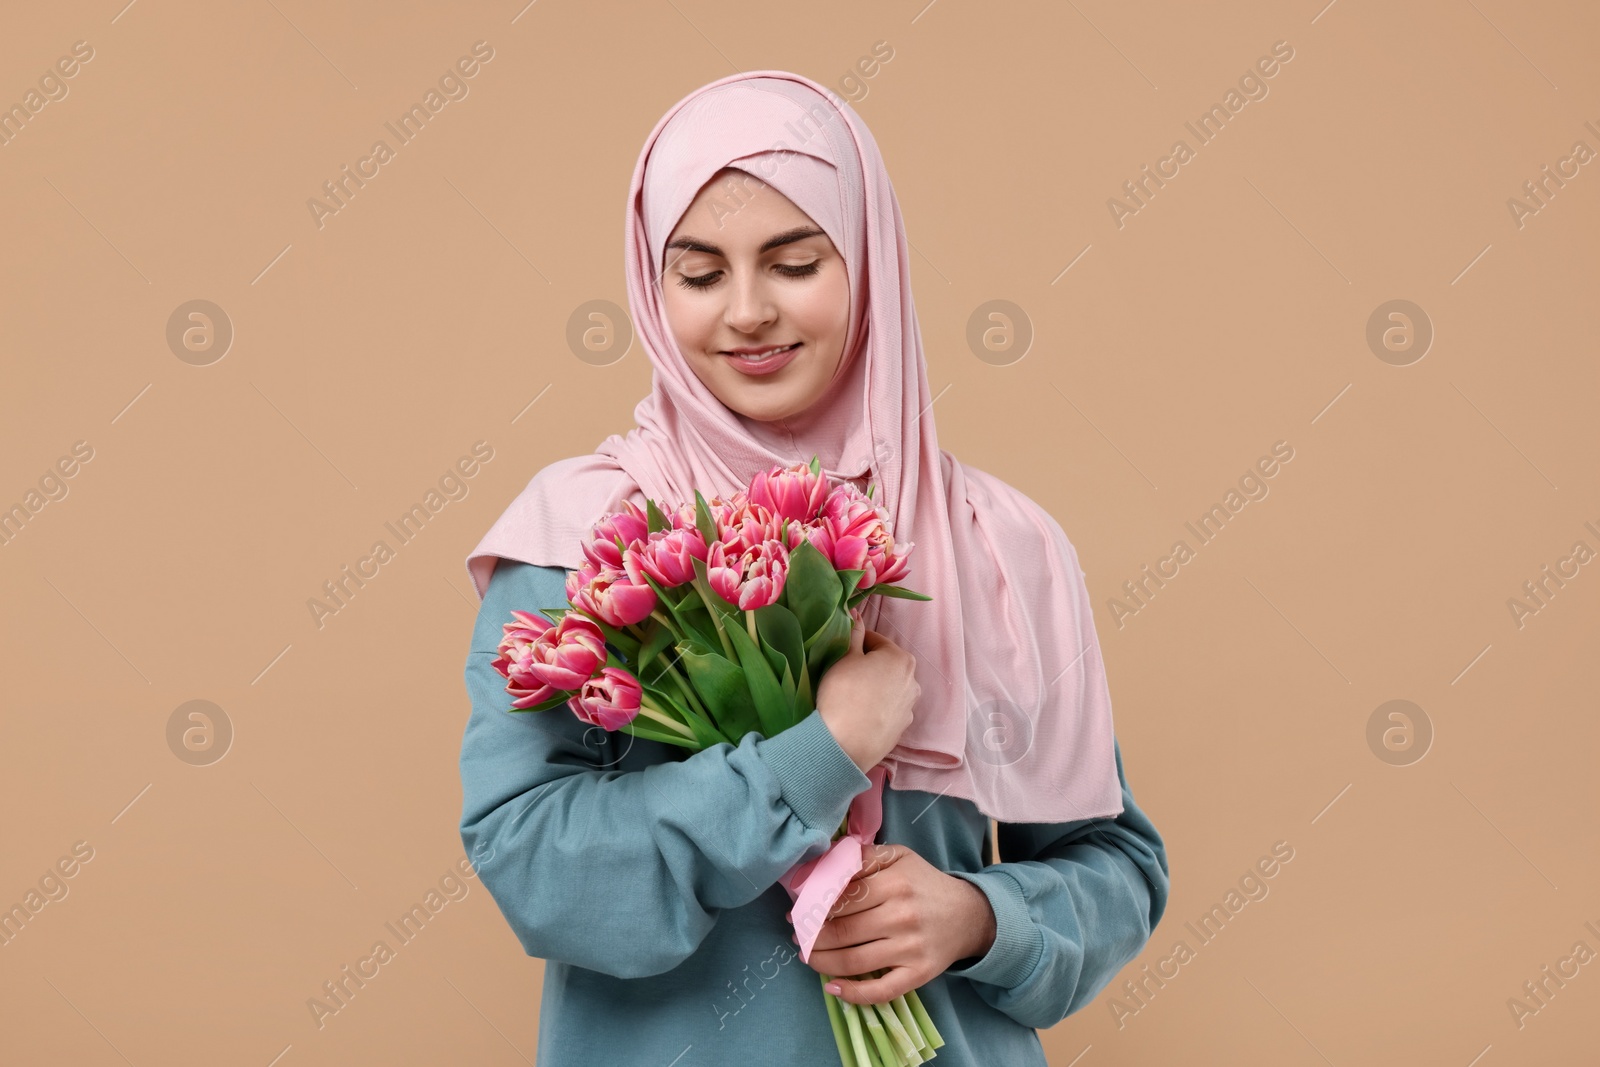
(981, 925)
(852, 746)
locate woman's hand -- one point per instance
(900, 912)
(865, 698)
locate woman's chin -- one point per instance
(761, 398)
(750, 400)
(761, 412)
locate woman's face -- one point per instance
(746, 271)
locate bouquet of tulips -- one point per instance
(700, 624)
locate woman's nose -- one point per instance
(750, 307)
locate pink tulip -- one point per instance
(611, 596)
(794, 533)
(516, 651)
(540, 661)
(684, 517)
(790, 492)
(668, 557)
(579, 578)
(629, 524)
(747, 525)
(609, 700)
(749, 578)
(889, 567)
(853, 534)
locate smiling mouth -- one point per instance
(763, 354)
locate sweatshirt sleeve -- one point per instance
(625, 871)
(1076, 905)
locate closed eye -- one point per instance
(705, 281)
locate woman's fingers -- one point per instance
(895, 981)
(857, 897)
(867, 888)
(875, 858)
(856, 928)
(854, 959)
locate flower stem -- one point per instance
(873, 1059)
(750, 624)
(683, 685)
(716, 619)
(903, 1044)
(909, 1022)
(930, 1031)
(858, 1043)
(688, 692)
(841, 1031)
(886, 1050)
(650, 711)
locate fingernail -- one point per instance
(832, 987)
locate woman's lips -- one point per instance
(766, 365)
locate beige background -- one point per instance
(1229, 313)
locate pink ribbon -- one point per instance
(815, 885)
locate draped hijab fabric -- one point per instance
(1014, 712)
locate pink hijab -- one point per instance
(1014, 713)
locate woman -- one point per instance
(769, 281)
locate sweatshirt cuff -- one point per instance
(1018, 942)
(818, 779)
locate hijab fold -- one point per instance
(1014, 713)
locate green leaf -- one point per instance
(622, 642)
(774, 709)
(703, 520)
(650, 732)
(547, 705)
(811, 588)
(654, 520)
(722, 688)
(697, 622)
(849, 579)
(898, 591)
(780, 633)
(553, 614)
(692, 615)
(828, 645)
(804, 699)
(816, 464)
(659, 639)
(667, 695)
(775, 659)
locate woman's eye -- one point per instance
(788, 270)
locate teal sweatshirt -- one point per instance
(646, 877)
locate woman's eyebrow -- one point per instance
(799, 233)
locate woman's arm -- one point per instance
(617, 871)
(1076, 904)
